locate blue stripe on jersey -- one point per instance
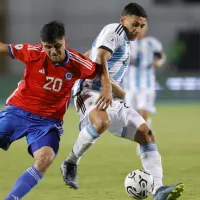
(149, 57)
(138, 64)
(119, 73)
(126, 79)
(118, 54)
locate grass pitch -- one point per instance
(103, 169)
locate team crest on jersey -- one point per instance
(19, 46)
(68, 76)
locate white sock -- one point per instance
(149, 124)
(151, 162)
(86, 138)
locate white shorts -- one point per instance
(141, 99)
(124, 120)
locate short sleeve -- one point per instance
(24, 52)
(110, 38)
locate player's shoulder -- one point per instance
(77, 59)
(29, 47)
(115, 28)
(34, 50)
(74, 54)
(112, 26)
(71, 51)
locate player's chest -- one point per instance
(52, 78)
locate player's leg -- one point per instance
(137, 130)
(97, 123)
(94, 123)
(143, 107)
(44, 151)
(144, 114)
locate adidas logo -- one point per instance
(42, 71)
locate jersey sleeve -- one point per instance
(24, 52)
(110, 38)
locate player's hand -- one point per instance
(105, 99)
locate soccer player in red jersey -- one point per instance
(36, 108)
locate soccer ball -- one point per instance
(139, 184)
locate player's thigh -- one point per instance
(125, 122)
(50, 140)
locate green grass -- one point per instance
(104, 167)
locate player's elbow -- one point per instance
(4, 51)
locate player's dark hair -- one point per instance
(134, 9)
(52, 31)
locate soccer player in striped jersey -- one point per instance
(111, 49)
(36, 108)
(139, 81)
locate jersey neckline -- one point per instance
(66, 61)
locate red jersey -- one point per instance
(45, 88)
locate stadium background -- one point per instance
(176, 24)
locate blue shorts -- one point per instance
(16, 123)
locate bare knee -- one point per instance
(44, 157)
(144, 135)
(100, 120)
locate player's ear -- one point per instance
(122, 20)
(65, 41)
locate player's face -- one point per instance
(143, 32)
(133, 25)
(56, 50)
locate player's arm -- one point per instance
(119, 93)
(4, 51)
(105, 98)
(87, 53)
(117, 90)
(159, 59)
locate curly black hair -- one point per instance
(52, 31)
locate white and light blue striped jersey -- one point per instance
(141, 73)
(114, 39)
